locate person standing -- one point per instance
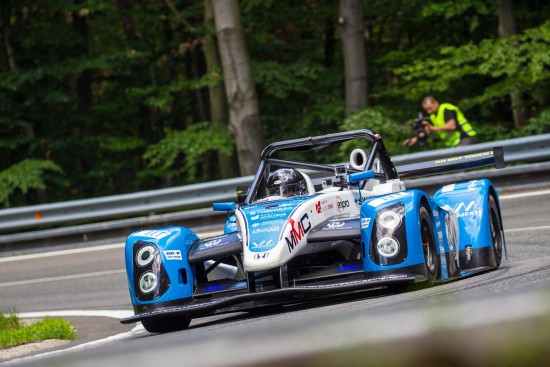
(448, 122)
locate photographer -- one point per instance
(446, 120)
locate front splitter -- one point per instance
(278, 294)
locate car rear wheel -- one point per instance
(166, 324)
(431, 259)
(497, 234)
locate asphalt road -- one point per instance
(95, 280)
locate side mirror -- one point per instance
(360, 176)
(242, 192)
(224, 207)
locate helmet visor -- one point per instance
(285, 190)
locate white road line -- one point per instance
(84, 250)
(61, 252)
(524, 194)
(63, 277)
(117, 314)
(527, 229)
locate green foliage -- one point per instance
(191, 143)
(518, 63)
(539, 124)
(9, 320)
(393, 133)
(14, 332)
(114, 92)
(25, 175)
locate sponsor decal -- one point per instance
(212, 243)
(263, 244)
(472, 185)
(172, 255)
(298, 230)
(323, 206)
(266, 230)
(341, 204)
(448, 188)
(365, 222)
(464, 209)
(270, 216)
(153, 234)
(263, 255)
(388, 198)
(336, 225)
(462, 157)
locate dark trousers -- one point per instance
(467, 140)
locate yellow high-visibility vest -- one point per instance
(451, 138)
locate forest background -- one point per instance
(102, 97)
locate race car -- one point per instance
(304, 231)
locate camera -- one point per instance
(340, 171)
(418, 129)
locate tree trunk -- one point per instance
(355, 60)
(244, 116)
(6, 33)
(507, 28)
(228, 165)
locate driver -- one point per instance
(286, 182)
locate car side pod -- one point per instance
(157, 267)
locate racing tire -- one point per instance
(431, 258)
(166, 324)
(497, 233)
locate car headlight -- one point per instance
(387, 246)
(389, 219)
(148, 282)
(145, 255)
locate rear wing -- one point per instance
(452, 164)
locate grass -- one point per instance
(13, 332)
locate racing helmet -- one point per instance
(286, 182)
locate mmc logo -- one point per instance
(298, 230)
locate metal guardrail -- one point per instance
(534, 148)
(527, 149)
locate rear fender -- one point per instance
(469, 200)
(156, 261)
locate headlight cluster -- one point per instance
(389, 240)
(387, 246)
(150, 278)
(148, 282)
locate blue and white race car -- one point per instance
(306, 230)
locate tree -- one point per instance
(507, 28)
(228, 165)
(244, 116)
(355, 61)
